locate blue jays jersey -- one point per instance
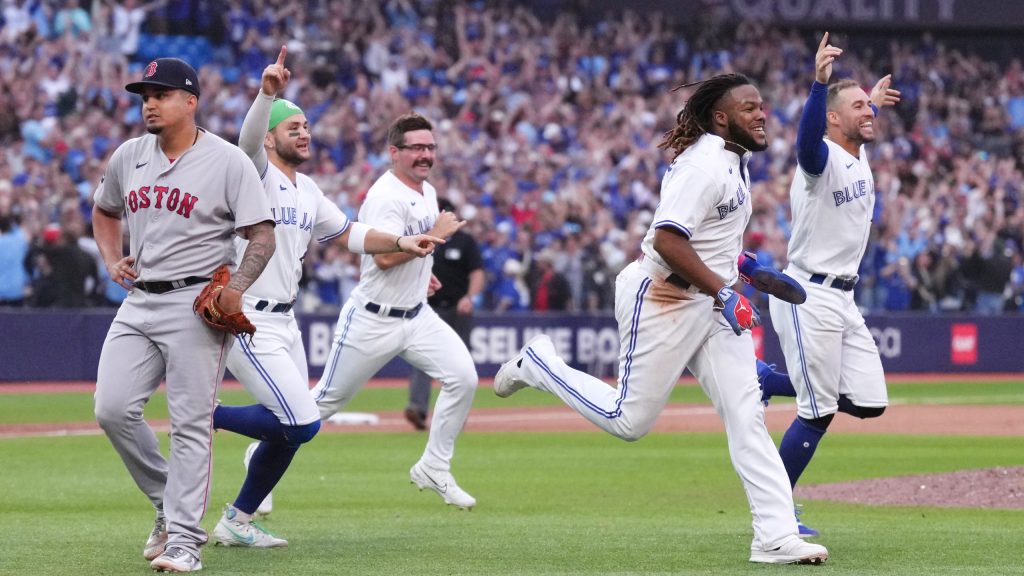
(705, 196)
(832, 214)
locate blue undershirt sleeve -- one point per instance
(811, 150)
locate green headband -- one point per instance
(280, 110)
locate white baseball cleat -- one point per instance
(793, 550)
(443, 483)
(230, 531)
(177, 559)
(267, 506)
(509, 378)
(157, 540)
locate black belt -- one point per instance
(279, 307)
(677, 280)
(161, 286)
(407, 313)
(837, 283)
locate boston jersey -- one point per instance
(176, 210)
(391, 206)
(832, 214)
(705, 195)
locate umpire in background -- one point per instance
(459, 270)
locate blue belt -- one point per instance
(279, 307)
(837, 283)
(407, 313)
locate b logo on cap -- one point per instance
(151, 69)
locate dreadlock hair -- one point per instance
(694, 120)
(406, 123)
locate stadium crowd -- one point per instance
(547, 135)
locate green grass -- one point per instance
(77, 406)
(581, 503)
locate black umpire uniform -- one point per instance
(455, 263)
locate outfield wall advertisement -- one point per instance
(40, 345)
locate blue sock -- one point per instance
(774, 383)
(268, 464)
(798, 446)
(255, 421)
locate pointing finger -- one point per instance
(281, 55)
(824, 42)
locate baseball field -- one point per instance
(555, 496)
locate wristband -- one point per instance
(397, 245)
(357, 237)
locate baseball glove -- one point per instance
(206, 307)
(770, 281)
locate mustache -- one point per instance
(427, 163)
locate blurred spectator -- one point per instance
(14, 244)
(554, 120)
(64, 275)
(549, 288)
(128, 17)
(988, 269)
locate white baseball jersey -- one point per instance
(832, 214)
(177, 210)
(705, 195)
(828, 348)
(272, 367)
(301, 212)
(364, 341)
(391, 206)
(664, 329)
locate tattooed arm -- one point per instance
(258, 252)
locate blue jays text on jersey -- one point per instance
(163, 197)
(423, 226)
(289, 216)
(858, 189)
(733, 205)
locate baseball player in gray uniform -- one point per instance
(272, 367)
(830, 355)
(676, 309)
(387, 316)
(185, 194)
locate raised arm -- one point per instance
(254, 127)
(811, 150)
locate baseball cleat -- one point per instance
(233, 532)
(792, 551)
(267, 506)
(177, 559)
(509, 379)
(763, 370)
(416, 417)
(803, 530)
(443, 483)
(770, 281)
(157, 540)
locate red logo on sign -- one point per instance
(964, 344)
(151, 69)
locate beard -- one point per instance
(289, 155)
(745, 139)
(156, 130)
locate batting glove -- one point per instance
(770, 281)
(738, 311)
